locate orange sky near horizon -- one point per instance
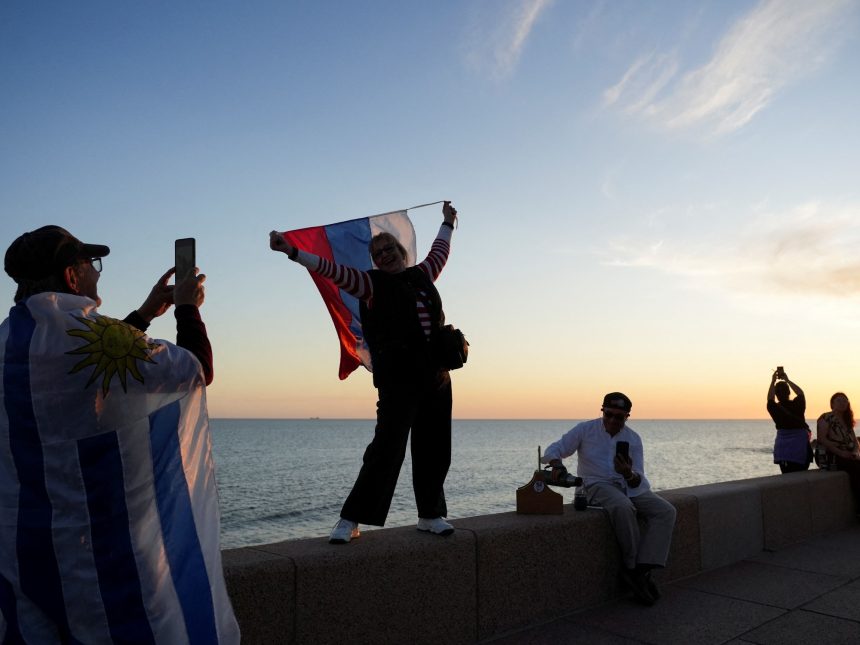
(480, 397)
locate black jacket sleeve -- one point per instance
(136, 320)
(191, 335)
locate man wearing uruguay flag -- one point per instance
(109, 525)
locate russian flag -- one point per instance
(346, 243)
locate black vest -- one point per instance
(399, 348)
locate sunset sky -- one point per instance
(660, 198)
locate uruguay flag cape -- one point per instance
(109, 523)
(346, 243)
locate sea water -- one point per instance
(287, 479)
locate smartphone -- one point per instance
(622, 449)
(186, 257)
(780, 372)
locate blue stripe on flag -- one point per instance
(349, 242)
(349, 246)
(119, 582)
(10, 613)
(187, 566)
(38, 571)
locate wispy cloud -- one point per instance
(642, 82)
(810, 249)
(496, 47)
(769, 48)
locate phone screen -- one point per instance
(622, 448)
(185, 258)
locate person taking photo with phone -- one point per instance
(110, 529)
(791, 449)
(610, 460)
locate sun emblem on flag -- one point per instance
(113, 348)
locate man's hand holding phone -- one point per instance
(190, 291)
(159, 299)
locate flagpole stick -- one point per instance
(441, 201)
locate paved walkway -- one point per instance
(803, 594)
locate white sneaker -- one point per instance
(436, 526)
(343, 532)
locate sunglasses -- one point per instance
(388, 248)
(617, 416)
(96, 262)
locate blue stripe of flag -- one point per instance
(119, 581)
(349, 242)
(38, 571)
(184, 554)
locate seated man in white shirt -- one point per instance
(616, 481)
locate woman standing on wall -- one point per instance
(791, 448)
(401, 312)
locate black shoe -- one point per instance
(637, 583)
(652, 586)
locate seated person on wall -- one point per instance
(835, 431)
(619, 484)
(791, 449)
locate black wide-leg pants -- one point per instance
(423, 407)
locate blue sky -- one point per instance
(655, 197)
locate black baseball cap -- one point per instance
(618, 401)
(45, 251)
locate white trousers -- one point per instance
(650, 545)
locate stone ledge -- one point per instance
(499, 573)
(262, 589)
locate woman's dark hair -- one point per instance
(781, 390)
(386, 238)
(848, 415)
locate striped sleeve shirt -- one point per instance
(358, 283)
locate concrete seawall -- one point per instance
(499, 573)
